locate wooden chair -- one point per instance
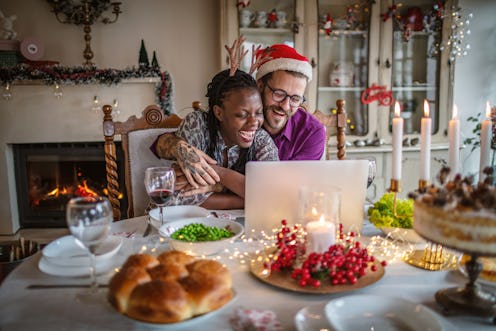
(335, 123)
(137, 135)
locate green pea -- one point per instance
(200, 232)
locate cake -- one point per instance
(169, 288)
(458, 214)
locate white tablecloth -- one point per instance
(57, 309)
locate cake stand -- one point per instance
(470, 299)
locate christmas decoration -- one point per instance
(154, 61)
(327, 24)
(243, 3)
(272, 18)
(391, 12)
(143, 56)
(60, 75)
(379, 93)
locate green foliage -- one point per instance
(382, 215)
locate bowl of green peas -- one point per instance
(201, 236)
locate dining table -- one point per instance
(56, 308)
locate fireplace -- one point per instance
(48, 175)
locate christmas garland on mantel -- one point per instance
(62, 75)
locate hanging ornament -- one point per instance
(377, 93)
(389, 14)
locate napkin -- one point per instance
(255, 320)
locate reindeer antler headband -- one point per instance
(237, 52)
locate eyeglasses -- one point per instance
(281, 95)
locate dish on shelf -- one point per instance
(199, 248)
(374, 312)
(488, 274)
(66, 252)
(407, 235)
(283, 280)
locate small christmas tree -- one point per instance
(154, 61)
(143, 56)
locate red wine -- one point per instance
(160, 197)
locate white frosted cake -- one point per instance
(458, 215)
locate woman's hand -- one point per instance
(196, 165)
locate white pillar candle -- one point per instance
(397, 142)
(454, 143)
(320, 235)
(425, 144)
(485, 141)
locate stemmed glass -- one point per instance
(159, 184)
(89, 220)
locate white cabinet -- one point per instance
(383, 43)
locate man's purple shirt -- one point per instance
(303, 138)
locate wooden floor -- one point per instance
(42, 236)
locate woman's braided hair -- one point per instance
(217, 90)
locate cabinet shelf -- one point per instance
(263, 31)
(341, 89)
(414, 88)
(343, 33)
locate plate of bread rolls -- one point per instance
(171, 288)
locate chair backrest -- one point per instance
(137, 135)
(335, 123)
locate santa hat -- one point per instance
(282, 57)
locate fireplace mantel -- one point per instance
(35, 115)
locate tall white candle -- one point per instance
(485, 141)
(425, 144)
(397, 142)
(320, 235)
(454, 143)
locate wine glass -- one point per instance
(159, 184)
(89, 220)
(372, 171)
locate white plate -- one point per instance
(407, 235)
(374, 312)
(203, 247)
(189, 323)
(65, 251)
(77, 271)
(313, 318)
(175, 213)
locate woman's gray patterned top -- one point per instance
(194, 130)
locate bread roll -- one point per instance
(145, 261)
(208, 284)
(170, 271)
(123, 283)
(175, 257)
(159, 302)
(169, 288)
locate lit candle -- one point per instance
(425, 144)
(485, 141)
(454, 142)
(397, 141)
(320, 235)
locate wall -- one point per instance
(184, 34)
(475, 74)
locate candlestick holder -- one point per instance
(433, 257)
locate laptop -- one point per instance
(272, 190)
